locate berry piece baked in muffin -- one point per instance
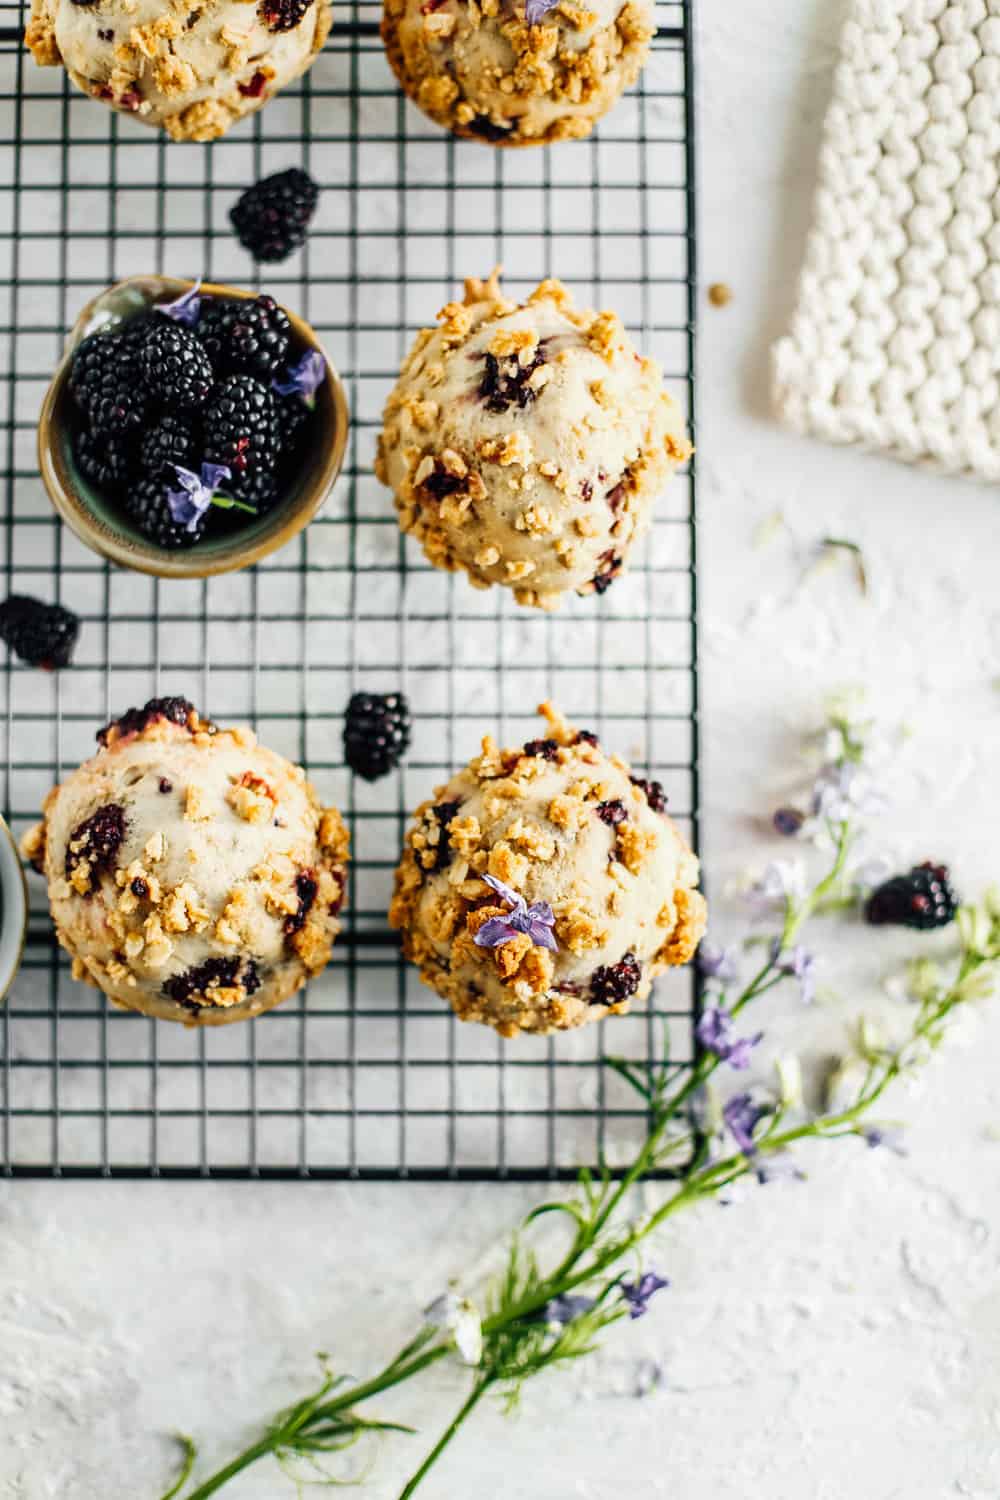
(192, 874)
(544, 887)
(193, 69)
(527, 442)
(517, 72)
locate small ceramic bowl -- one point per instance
(13, 910)
(103, 527)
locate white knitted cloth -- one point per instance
(895, 342)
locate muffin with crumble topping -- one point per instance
(526, 443)
(545, 886)
(192, 874)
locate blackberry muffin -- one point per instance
(193, 69)
(543, 887)
(192, 874)
(526, 443)
(517, 72)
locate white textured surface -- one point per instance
(894, 340)
(835, 1339)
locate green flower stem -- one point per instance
(464, 1412)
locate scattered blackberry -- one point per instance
(376, 733)
(547, 749)
(259, 489)
(246, 338)
(271, 218)
(240, 427)
(134, 720)
(175, 367)
(95, 842)
(106, 383)
(43, 635)
(106, 463)
(612, 813)
(146, 505)
(170, 442)
(306, 887)
(194, 987)
(293, 418)
(655, 795)
(505, 381)
(923, 899)
(282, 15)
(613, 983)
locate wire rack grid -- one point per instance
(367, 1074)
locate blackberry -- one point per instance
(95, 842)
(240, 427)
(547, 749)
(106, 463)
(170, 442)
(923, 899)
(106, 384)
(612, 813)
(175, 367)
(654, 793)
(259, 489)
(376, 733)
(135, 720)
(613, 983)
(271, 218)
(293, 418)
(194, 987)
(43, 635)
(146, 505)
(282, 15)
(246, 338)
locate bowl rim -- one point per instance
(145, 557)
(15, 893)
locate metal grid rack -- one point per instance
(367, 1075)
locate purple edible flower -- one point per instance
(638, 1293)
(305, 378)
(801, 964)
(788, 821)
(714, 1031)
(537, 920)
(889, 1136)
(565, 1308)
(184, 309)
(535, 11)
(742, 1116)
(717, 963)
(189, 503)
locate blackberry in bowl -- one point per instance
(190, 429)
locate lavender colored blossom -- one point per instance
(840, 791)
(788, 821)
(714, 1031)
(190, 502)
(566, 1308)
(742, 1116)
(717, 963)
(535, 11)
(305, 378)
(536, 921)
(800, 964)
(638, 1294)
(184, 309)
(782, 881)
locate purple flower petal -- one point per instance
(742, 1116)
(494, 932)
(305, 378)
(535, 11)
(189, 503)
(638, 1293)
(739, 1054)
(717, 963)
(184, 309)
(566, 1308)
(714, 1032)
(541, 933)
(888, 1136)
(800, 964)
(510, 896)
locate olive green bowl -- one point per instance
(103, 527)
(13, 910)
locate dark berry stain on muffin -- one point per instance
(254, 88)
(444, 812)
(611, 566)
(612, 813)
(140, 888)
(194, 987)
(484, 127)
(586, 490)
(616, 498)
(613, 983)
(547, 749)
(505, 381)
(654, 793)
(94, 843)
(441, 483)
(176, 710)
(586, 737)
(166, 785)
(306, 887)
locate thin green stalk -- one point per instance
(465, 1410)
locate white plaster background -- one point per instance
(834, 1339)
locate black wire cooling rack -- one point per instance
(367, 1075)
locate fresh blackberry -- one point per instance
(259, 489)
(175, 710)
(146, 505)
(654, 793)
(107, 463)
(271, 218)
(134, 332)
(293, 418)
(613, 983)
(283, 15)
(107, 385)
(43, 635)
(246, 338)
(240, 426)
(376, 733)
(170, 442)
(175, 367)
(923, 899)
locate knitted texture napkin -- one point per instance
(895, 341)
